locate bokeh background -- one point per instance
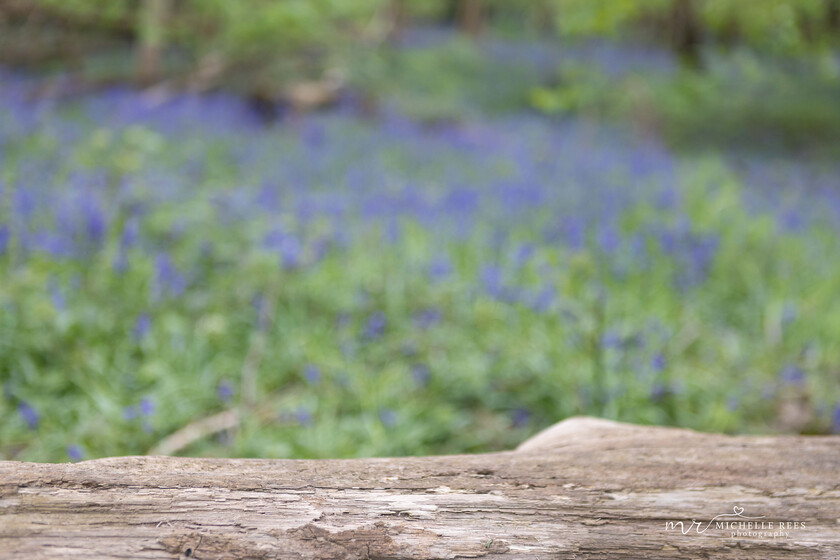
(338, 228)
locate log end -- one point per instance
(592, 431)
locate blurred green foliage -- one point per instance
(789, 25)
(69, 340)
(249, 30)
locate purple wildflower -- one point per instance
(575, 233)
(658, 363)
(130, 233)
(75, 453)
(611, 339)
(147, 406)
(491, 277)
(312, 374)
(544, 299)
(521, 417)
(792, 375)
(375, 326)
(660, 391)
(5, 236)
(29, 415)
(421, 373)
(524, 253)
(440, 268)
(428, 317)
(225, 390)
(57, 296)
(303, 416)
(609, 239)
(169, 281)
(142, 326)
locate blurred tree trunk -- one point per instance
(151, 39)
(399, 17)
(471, 16)
(686, 33)
(833, 16)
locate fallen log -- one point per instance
(585, 488)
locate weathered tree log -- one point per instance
(585, 488)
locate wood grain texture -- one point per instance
(585, 488)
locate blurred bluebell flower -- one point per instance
(313, 136)
(461, 201)
(791, 219)
(130, 233)
(835, 420)
(668, 241)
(375, 326)
(75, 453)
(147, 406)
(168, 280)
(524, 253)
(393, 230)
(575, 233)
(521, 417)
(669, 198)
(440, 268)
(428, 317)
(25, 202)
(388, 417)
(142, 326)
(291, 250)
(421, 373)
(658, 362)
(492, 279)
(660, 391)
(5, 237)
(312, 374)
(130, 412)
(120, 264)
(29, 415)
(792, 375)
(609, 239)
(544, 299)
(95, 221)
(703, 250)
(57, 296)
(303, 416)
(225, 390)
(55, 244)
(611, 339)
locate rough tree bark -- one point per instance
(585, 488)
